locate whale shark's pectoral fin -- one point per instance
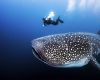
(96, 62)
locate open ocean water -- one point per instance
(21, 22)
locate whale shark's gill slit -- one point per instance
(96, 62)
(96, 57)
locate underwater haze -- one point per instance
(21, 22)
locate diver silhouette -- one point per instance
(48, 21)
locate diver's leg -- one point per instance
(57, 21)
(61, 21)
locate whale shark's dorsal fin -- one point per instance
(98, 32)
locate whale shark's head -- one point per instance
(37, 48)
(66, 50)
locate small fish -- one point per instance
(73, 49)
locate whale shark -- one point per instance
(65, 50)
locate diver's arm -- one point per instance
(44, 24)
(44, 21)
(55, 22)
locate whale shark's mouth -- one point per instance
(37, 49)
(36, 53)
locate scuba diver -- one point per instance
(48, 21)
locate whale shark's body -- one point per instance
(68, 49)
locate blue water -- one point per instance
(20, 22)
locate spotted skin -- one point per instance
(68, 49)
